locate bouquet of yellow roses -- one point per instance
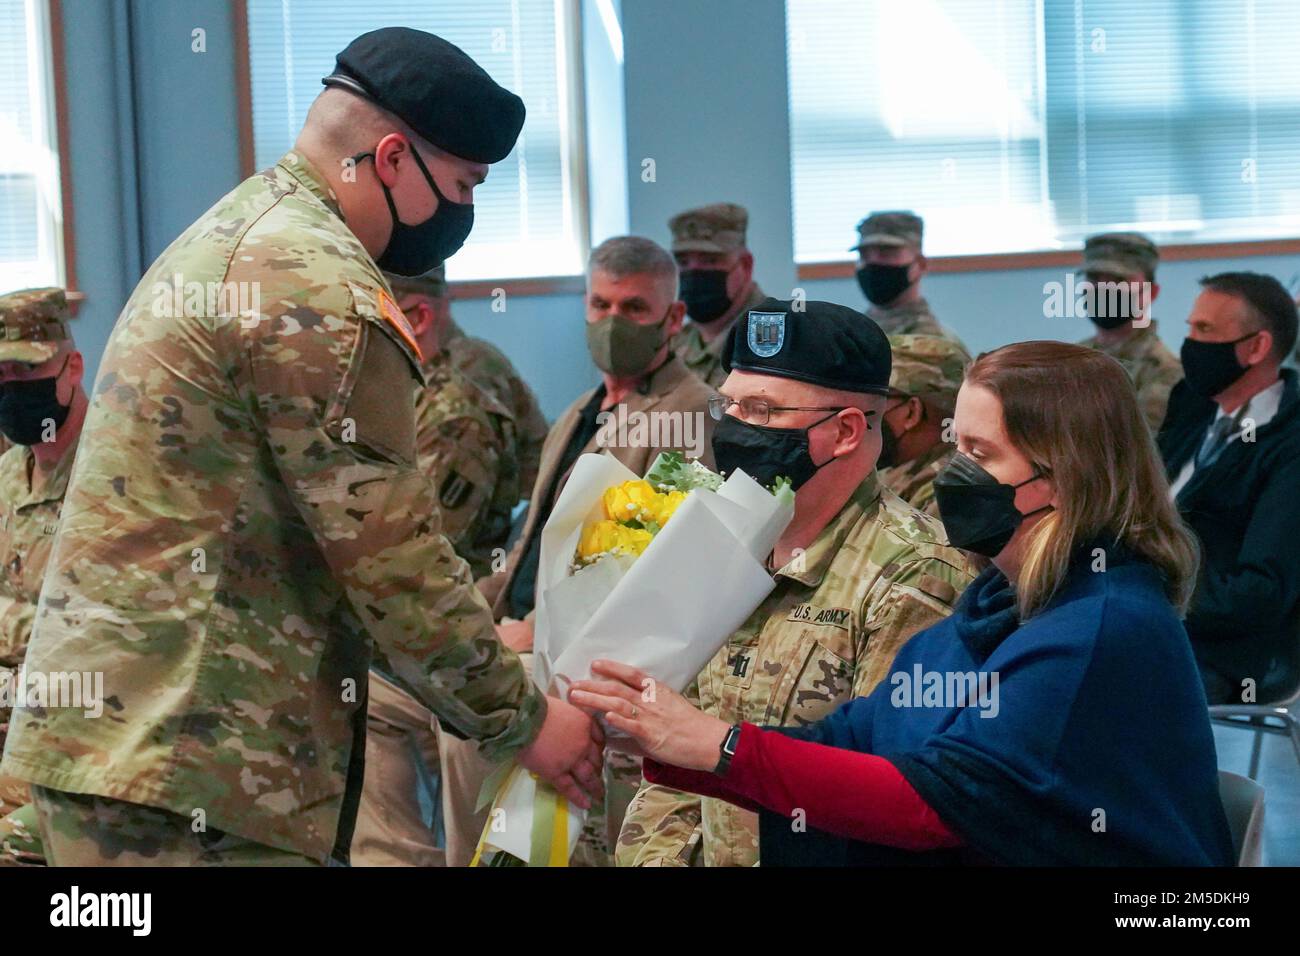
(655, 572)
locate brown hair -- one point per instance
(1073, 413)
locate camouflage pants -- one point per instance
(20, 840)
(13, 792)
(90, 830)
(622, 779)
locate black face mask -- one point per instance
(888, 448)
(26, 407)
(978, 511)
(765, 454)
(883, 284)
(414, 250)
(888, 441)
(705, 293)
(1101, 314)
(1210, 367)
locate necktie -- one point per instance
(1215, 441)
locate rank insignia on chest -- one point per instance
(739, 664)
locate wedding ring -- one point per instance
(634, 711)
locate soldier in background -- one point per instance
(717, 283)
(426, 299)
(470, 445)
(1121, 268)
(42, 407)
(914, 430)
(890, 269)
(470, 435)
(858, 572)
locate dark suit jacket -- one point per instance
(1245, 510)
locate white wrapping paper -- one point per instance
(666, 612)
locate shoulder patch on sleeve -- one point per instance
(375, 305)
(395, 317)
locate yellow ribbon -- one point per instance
(549, 838)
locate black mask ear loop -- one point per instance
(388, 196)
(428, 178)
(1034, 477)
(866, 413)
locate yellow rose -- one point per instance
(631, 501)
(667, 504)
(633, 540)
(597, 539)
(606, 536)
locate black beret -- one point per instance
(435, 88)
(818, 342)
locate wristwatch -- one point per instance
(727, 750)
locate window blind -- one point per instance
(31, 212)
(526, 212)
(1022, 125)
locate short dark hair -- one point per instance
(1267, 298)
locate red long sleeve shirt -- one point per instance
(855, 795)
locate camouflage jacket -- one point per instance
(913, 481)
(1153, 369)
(31, 516)
(245, 521)
(469, 445)
(486, 366)
(875, 575)
(705, 358)
(912, 318)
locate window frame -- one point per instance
(1052, 258)
(56, 71)
(569, 32)
(845, 268)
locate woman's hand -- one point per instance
(662, 721)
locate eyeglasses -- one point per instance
(757, 411)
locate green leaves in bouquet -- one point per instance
(672, 472)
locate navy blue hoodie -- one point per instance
(1097, 749)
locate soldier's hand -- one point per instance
(568, 753)
(516, 635)
(663, 722)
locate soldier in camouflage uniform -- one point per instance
(864, 578)
(915, 429)
(426, 299)
(38, 359)
(468, 443)
(890, 269)
(716, 282)
(1126, 261)
(468, 432)
(247, 522)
